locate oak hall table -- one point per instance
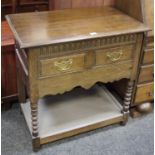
(59, 50)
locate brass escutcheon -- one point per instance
(114, 56)
(63, 65)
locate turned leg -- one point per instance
(127, 101)
(35, 133)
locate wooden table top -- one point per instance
(43, 28)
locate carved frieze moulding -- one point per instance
(52, 50)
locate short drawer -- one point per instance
(60, 65)
(148, 56)
(144, 93)
(111, 55)
(146, 74)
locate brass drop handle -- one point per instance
(114, 56)
(63, 65)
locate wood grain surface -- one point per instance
(70, 25)
(145, 92)
(146, 74)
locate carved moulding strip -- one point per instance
(90, 44)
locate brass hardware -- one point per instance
(114, 56)
(63, 65)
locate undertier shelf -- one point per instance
(74, 112)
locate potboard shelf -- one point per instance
(75, 112)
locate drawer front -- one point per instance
(112, 55)
(144, 93)
(146, 74)
(61, 65)
(148, 57)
